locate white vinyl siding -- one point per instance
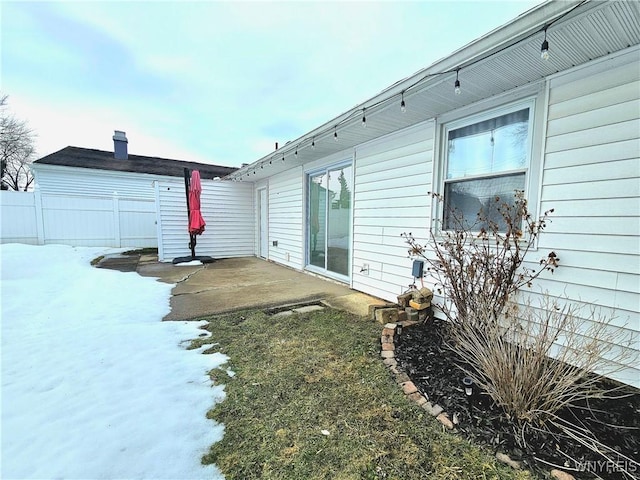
(393, 176)
(99, 183)
(591, 179)
(285, 218)
(226, 207)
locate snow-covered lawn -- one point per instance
(94, 384)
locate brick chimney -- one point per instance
(120, 145)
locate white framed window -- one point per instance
(486, 156)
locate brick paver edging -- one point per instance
(389, 334)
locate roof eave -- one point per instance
(521, 27)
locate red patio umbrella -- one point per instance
(193, 190)
(196, 222)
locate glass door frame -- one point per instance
(307, 241)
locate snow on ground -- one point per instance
(94, 385)
(192, 263)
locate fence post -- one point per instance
(37, 196)
(116, 219)
(156, 187)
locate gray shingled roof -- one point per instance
(102, 160)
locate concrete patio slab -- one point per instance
(120, 262)
(247, 283)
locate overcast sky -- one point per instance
(217, 82)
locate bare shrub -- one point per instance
(536, 361)
(479, 266)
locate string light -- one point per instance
(544, 49)
(544, 54)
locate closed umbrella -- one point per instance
(193, 189)
(196, 222)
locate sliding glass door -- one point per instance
(329, 220)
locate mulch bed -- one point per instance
(435, 370)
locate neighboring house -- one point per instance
(90, 197)
(566, 130)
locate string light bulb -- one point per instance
(283, 158)
(456, 85)
(544, 49)
(364, 118)
(295, 154)
(335, 133)
(403, 106)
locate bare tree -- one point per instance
(17, 150)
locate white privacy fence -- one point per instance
(19, 217)
(78, 220)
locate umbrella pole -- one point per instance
(192, 238)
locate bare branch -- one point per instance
(17, 150)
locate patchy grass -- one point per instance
(299, 375)
(142, 251)
(96, 260)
